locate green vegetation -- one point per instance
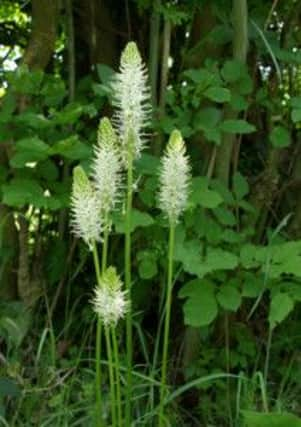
(169, 191)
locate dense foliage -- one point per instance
(227, 75)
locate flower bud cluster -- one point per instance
(174, 178)
(110, 302)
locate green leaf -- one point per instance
(69, 115)
(218, 94)
(252, 285)
(280, 137)
(105, 73)
(296, 115)
(200, 308)
(281, 306)
(8, 388)
(225, 216)
(147, 165)
(206, 120)
(138, 219)
(147, 267)
(237, 126)
(33, 120)
(240, 186)
(258, 419)
(229, 297)
(72, 148)
(20, 192)
(201, 195)
(29, 150)
(232, 71)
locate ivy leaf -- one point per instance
(229, 297)
(237, 126)
(281, 306)
(280, 137)
(218, 94)
(200, 308)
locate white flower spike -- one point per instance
(107, 168)
(131, 97)
(174, 178)
(110, 302)
(85, 208)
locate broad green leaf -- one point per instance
(147, 266)
(33, 120)
(225, 216)
(138, 219)
(72, 148)
(229, 297)
(258, 419)
(69, 115)
(281, 306)
(202, 77)
(47, 170)
(232, 71)
(29, 150)
(296, 115)
(105, 73)
(200, 308)
(206, 120)
(218, 94)
(189, 254)
(147, 165)
(202, 195)
(280, 137)
(237, 126)
(240, 186)
(20, 192)
(238, 102)
(252, 285)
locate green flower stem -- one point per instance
(111, 376)
(107, 334)
(167, 321)
(98, 374)
(117, 376)
(98, 348)
(129, 327)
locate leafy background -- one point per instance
(238, 249)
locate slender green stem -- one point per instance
(167, 320)
(98, 374)
(104, 255)
(129, 327)
(267, 358)
(98, 346)
(107, 334)
(111, 376)
(227, 354)
(117, 376)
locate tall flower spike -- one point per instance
(107, 168)
(131, 97)
(110, 302)
(85, 208)
(174, 178)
